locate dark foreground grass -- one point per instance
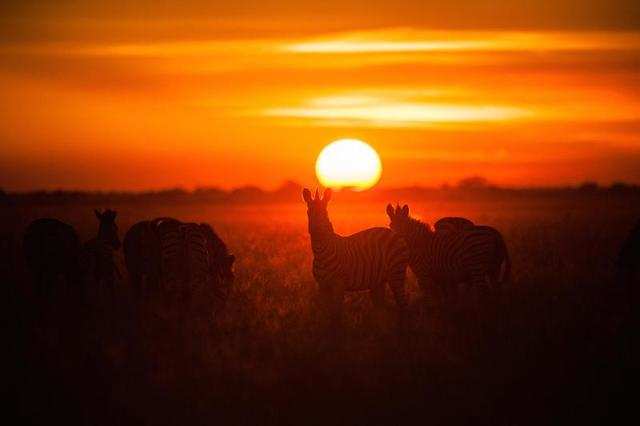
(558, 347)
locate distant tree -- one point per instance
(247, 194)
(620, 187)
(288, 191)
(473, 182)
(588, 187)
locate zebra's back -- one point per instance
(453, 224)
(461, 256)
(365, 259)
(51, 246)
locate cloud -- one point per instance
(399, 109)
(414, 40)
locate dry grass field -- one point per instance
(556, 348)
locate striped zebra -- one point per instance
(98, 254)
(51, 250)
(185, 259)
(366, 260)
(441, 259)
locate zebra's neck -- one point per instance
(322, 240)
(419, 234)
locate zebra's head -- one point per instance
(108, 230)
(221, 260)
(319, 222)
(226, 269)
(400, 219)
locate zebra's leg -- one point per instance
(42, 286)
(432, 292)
(378, 296)
(331, 300)
(110, 285)
(397, 284)
(135, 280)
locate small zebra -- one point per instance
(186, 258)
(51, 249)
(98, 254)
(362, 261)
(473, 255)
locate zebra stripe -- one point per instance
(190, 261)
(362, 261)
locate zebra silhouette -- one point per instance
(457, 252)
(366, 260)
(185, 259)
(51, 251)
(98, 254)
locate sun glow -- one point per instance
(348, 163)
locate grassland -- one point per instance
(558, 347)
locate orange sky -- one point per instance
(197, 93)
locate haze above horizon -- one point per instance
(195, 94)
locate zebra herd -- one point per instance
(189, 260)
(163, 256)
(456, 252)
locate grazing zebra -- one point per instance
(98, 254)
(475, 255)
(362, 261)
(51, 249)
(629, 263)
(220, 265)
(187, 258)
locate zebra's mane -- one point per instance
(419, 230)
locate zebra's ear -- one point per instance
(327, 196)
(306, 195)
(405, 210)
(98, 214)
(390, 211)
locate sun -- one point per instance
(348, 163)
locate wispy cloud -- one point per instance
(393, 110)
(410, 40)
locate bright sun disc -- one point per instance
(348, 163)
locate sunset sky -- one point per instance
(196, 93)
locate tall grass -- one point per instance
(556, 347)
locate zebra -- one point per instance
(51, 250)
(474, 255)
(187, 258)
(98, 254)
(363, 261)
